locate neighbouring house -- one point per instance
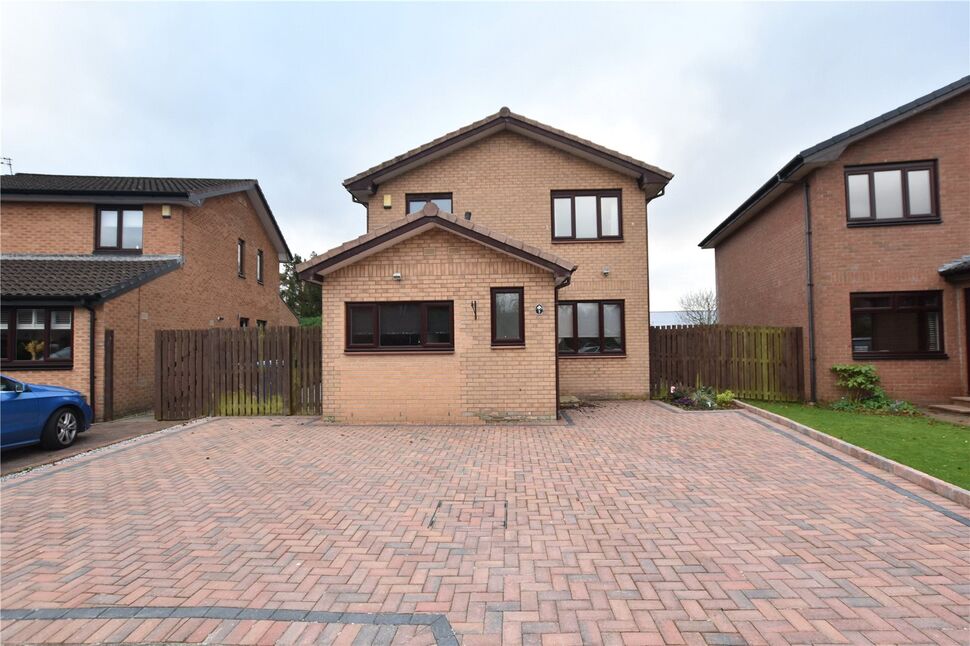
(504, 264)
(81, 256)
(862, 241)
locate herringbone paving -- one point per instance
(634, 525)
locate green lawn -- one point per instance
(937, 448)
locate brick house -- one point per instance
(81, 255)
(504, 263)
(862, 241)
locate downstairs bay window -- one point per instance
(897, 325)
(400, 326)
(36, 337)
(587, 328)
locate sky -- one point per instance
(304, 95)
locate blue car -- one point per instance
(45, 415)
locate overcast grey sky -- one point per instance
(302, 95)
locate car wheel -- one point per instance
(61, 429)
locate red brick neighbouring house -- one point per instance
(864, 241)
(81, 255)
(503, 262)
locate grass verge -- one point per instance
(938, 448)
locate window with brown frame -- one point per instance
(892, 194)
(897, 325)
(586, 215)
(261, 324)
(400, 326)
(243, 321)
(508, 316)
(37, 337)
(590, 328)
(414, 202)
(119, 229)
(241, 258)
(259, 266)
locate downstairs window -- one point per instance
(897, 325)
(400, 326)
(590, 328)
(37, 337)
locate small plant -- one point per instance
(725, 399)
(698, 398)
(865, 395)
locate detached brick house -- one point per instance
(503, 264)
(864, 242)
(82, 255)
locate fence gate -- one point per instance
(244, 371)
(755, 362)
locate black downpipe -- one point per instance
(810, 296)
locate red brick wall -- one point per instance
(846, 260)
(477, 380)
(505, 180)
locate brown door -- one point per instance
(966, 325)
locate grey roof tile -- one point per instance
(78, 277)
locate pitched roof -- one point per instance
(71, 277)
(823, 153)
(956, 268)
(183, 190)
(431, 216)
(362, 184)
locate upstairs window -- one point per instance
(508, 316)
(119, 228)
(892, 194)
(259, 266)
(590, 328)
(36, 336)
(407, 326)
(897, 325)
(416, 201)
(586, 215)
(241, 258)
(243, 321)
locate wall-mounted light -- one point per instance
(166, 211)
(396, 275)
(387, 201)
(606, 272)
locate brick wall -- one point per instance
(505, 180)
(206, 288)
(54, 228)
(846, 260)
(475, 381)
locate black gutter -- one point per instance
(810, 294)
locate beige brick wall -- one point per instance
(505, 181)
(475, 381)
(205, 288)
(846, 260)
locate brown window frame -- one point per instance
(44, 364)
(575, 353)
(375, 346)
(241, 258)
(427, 197)
(895, 307)
(598, 194)
(259, 266)
(904, 167)
(244, 321)
(260, 324)
(120, 209)
(508, 342)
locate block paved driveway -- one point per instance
(634, 525)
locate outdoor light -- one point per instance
(396, 275)
(387, 201)
(606, 271)
(166, 211)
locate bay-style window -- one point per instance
(416, 201)
(586, 215)
(897, 325)
(37, 337)
(590, 328)
(119, 228)
(400, 326)
(508, 316)
(892, 194)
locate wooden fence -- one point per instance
(755, 362)
(247, 371)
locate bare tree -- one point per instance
(699, 307)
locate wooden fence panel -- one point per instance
(755, 362)
(249, 371)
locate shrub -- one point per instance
(865, 395)
(725, 399)
(698, 397)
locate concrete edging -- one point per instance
(949, 491)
